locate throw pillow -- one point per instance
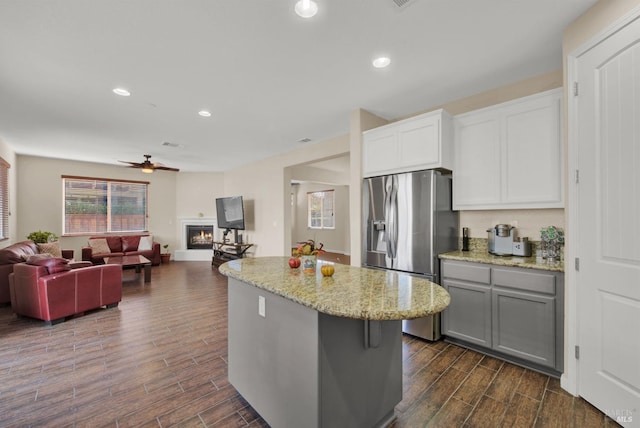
(52, 248)
(53, 264)
(99, 246)
(129, 243)
(32, 258)
(146, 243)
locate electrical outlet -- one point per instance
(261, 306)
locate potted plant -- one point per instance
(41, 237)
(166, 256)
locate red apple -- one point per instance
(294, 262)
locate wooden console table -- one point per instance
(225, 251)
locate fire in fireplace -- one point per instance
(199, 237)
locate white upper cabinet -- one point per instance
(421, 142)
(379, 151)
(510, 155)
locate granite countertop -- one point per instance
(480, 256)
(352, 292)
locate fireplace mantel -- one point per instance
(184, 254)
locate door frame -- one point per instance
(569, 379)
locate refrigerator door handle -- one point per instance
(393, 208)
(387, 214)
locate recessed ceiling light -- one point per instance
(122, 92)
(204, 113)
(381, 62)
(306, 8)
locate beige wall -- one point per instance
(196, 193)
(533, 85)
(601, 15)
(40, 197)
(9, 155)
(265, 186)
(360, 121)
(171, 196)
(335, 240)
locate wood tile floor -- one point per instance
(160, 359)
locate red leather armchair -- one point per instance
(51, 297)
(13, 254)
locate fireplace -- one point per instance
(199, 237)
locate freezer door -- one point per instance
(374, 210)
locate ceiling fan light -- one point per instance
(146, 170)
(306, 8)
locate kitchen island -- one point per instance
(313, 351)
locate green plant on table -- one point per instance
(41, 237)
(166, 246)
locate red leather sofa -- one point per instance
(38, 293)
(125, 245)
(13, 254)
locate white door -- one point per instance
(608, 224)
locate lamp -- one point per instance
(306, 8)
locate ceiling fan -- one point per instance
(148, 167)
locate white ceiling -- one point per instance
(269, 77)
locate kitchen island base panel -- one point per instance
(299, 367)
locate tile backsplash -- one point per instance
(529, 222)
(480, 244)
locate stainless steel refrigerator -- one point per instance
(407, 222)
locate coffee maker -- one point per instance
(501, 239)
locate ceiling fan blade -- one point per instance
(133, 164)
(166, 168)
(147, 164)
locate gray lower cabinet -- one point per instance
(513, 313)
(468, 316)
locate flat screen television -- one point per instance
(230, 213)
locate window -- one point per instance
(98, 205)
(320, 209)
(4, 199)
